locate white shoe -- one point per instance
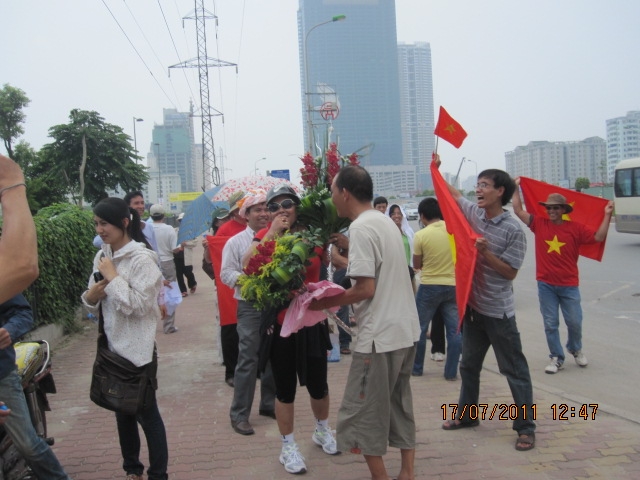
(554, 366)
(292, 459)
(438, 357)
(326, 440)
(581, 360)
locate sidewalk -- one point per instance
(194, 402)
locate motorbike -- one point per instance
(33, 360)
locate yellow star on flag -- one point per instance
(554, 245)
(450, 128)
(565, 216)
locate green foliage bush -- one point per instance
(66, 252)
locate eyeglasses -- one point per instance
(483, 185)
(286, 205)
(553, 207)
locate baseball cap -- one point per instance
(156, 211)
(181, 216)
(220, 213)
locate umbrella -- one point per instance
(197, 218)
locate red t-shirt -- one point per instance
(557, 250)
(230, 228)
(312, 274)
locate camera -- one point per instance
(97, 276)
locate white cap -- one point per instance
(156, 210)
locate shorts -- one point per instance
(377, 408)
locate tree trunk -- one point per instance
(82, 167)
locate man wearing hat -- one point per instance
(166, 239)
(557, 242)
(237, 223)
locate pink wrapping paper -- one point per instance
(298, 314)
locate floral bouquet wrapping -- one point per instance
(316, 207)
(277, 270)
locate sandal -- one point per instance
(452, 425)
(185, 294)
(525, 441)
(345, 351)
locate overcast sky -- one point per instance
(509, 71)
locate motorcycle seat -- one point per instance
(29, 357)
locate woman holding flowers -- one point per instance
(303, 355)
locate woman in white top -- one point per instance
(399, 217)
(128, 295)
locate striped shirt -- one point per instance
(491, 293)
(232, 254)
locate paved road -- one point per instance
(194, 401)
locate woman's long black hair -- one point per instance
(114, 210)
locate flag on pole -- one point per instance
(462, 238)
(587, 209)
(450, 130)
(227, 305)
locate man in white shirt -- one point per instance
(167, 242)
(378, 389)
(254, 209)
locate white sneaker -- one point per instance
(581, 360)
(554, 366)
(326, 440)
(437, 357)
(292, 459)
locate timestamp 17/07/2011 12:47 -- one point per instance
(504, 411)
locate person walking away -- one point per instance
(557, 242)
(127, 298)
(183, 260)
(16, 319)
(490, 319)
(377, 407)
(437, 290)
(166, 239)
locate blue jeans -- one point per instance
(34, 449)
(479, 332)
(428, 299)
(156, 436)
(568, 300)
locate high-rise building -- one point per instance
(416, 108)
(358, 58)
(559, 163)
(623, 140)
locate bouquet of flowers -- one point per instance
(316, 207)
(278, 269)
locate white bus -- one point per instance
(626, 187)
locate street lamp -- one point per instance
(135, 141)
(255, 165)
(157, 145)
(475, 163)
(307, 93)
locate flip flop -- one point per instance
(345, 351)
(452, 425)
(527, 440)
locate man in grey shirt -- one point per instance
(490, 319)
(167, 240)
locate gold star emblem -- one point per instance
(554, 245)
(565, 216)
(450, 128)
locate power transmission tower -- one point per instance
(210, 170)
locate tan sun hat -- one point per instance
(234, 199)
(557, 199)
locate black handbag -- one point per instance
(117, 384)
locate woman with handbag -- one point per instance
(124, 290)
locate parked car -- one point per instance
(411, 209)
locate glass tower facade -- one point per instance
(358, 58)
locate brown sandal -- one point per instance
(525, 441)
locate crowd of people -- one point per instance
(398, 283)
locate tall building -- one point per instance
(358, 59)
(623, 140)
(559, 163)
(416, 108)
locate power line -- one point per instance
(138, 53)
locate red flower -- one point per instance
(309, 172)
(265, 251)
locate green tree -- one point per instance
(12, 101)
(93, 156)
(43, 187)
(582, 183)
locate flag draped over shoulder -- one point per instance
(227, 305)
(587, 209)
(462, 237)
(450, 130)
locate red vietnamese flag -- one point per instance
(462, 238)
(450, 130)
(587, 209)
(227, 305)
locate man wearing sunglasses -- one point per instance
(557, 243)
